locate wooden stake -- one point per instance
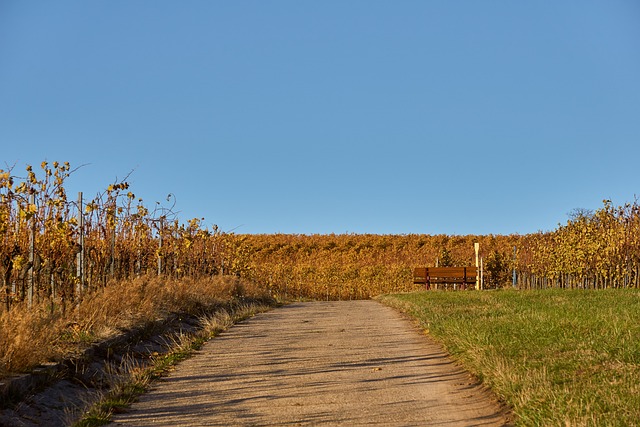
(476, 246)
(32, 250)
(80, 254)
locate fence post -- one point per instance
(514, 267)
(80, 253)
(112, 248)
(32, 247)
(476, 246)
(160, 248)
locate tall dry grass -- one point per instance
(29, 337)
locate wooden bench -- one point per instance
(455, 276)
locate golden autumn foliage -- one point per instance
(351, 266)
(56, 249)
(598, 250)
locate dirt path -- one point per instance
(332, 363)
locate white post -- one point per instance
(476, 246)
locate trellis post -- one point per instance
(80, 253)
(160, 247)
(32, 251)
(514, 267)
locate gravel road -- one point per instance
(318, 363)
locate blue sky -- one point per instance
(388, 117)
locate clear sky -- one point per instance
(359, 116)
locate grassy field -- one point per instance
(557, 357)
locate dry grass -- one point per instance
(29, 337)
(130, 379)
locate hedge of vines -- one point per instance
(57, 248)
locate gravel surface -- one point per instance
(319, 363)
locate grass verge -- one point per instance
(132, 380)
(557, 357)
(46, 333)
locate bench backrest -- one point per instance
(442, 274)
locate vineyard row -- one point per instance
(56, 249)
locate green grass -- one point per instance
(557, 357)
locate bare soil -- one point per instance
(320, 363)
